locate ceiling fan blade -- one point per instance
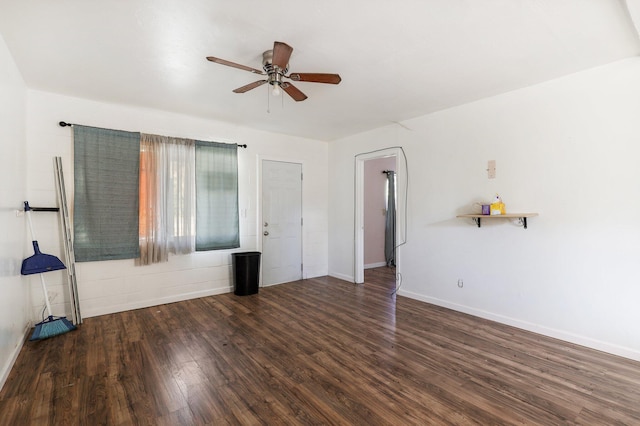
(250, 86)
(315, 77)
(281, 54)
(293, 91)
(234, 65)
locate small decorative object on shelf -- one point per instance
(497, 207)
(521, 216)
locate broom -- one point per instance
(38, 264)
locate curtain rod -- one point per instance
(388, 171)
(65, 124)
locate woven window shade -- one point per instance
(106, 176)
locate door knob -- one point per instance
(265, 233)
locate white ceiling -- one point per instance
(398, 59)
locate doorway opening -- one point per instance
(365, 165)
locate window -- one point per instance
(144, 196)
(167, 191)
(105, 214)
(217, 223)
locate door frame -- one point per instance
(358, 255)
(259, 239)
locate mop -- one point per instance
(38, 264)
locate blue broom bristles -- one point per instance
(51, 327)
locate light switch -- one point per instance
(491, 169)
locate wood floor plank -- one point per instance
(316, 351)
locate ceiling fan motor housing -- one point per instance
(274, 72)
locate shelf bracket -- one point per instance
(523, 220)
(520, 217)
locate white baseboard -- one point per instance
(4, 374)
(271, 285)
(535, 328)
(153, 302)
(343, 277)
(375, 265)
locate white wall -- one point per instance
(567, 149)
(14, 320)
(112, 286)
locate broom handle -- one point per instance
(46, 294)
(27, 209)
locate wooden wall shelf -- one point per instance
(521, 216)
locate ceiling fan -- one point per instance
(275, 65)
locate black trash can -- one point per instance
(246, 272)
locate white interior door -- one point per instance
(281, 222)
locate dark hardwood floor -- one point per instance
(318, 351)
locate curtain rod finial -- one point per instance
(63, 124)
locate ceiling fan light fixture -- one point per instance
(275, 79)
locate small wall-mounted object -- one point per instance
(491, 169)
(520, 216)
